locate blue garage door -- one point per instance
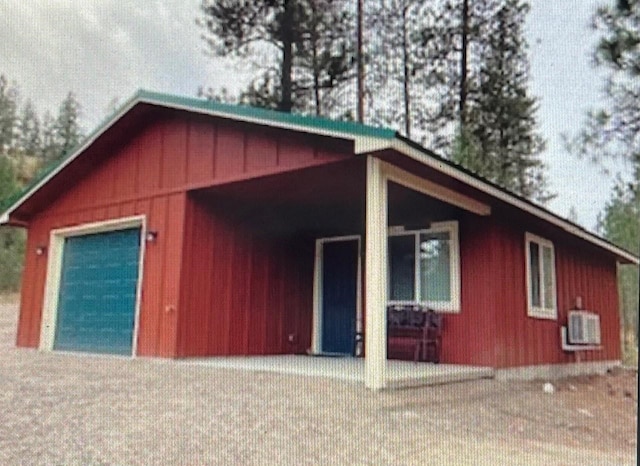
(97, 301)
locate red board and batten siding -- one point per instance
(149, 175)
(243, 293)
(210, 287)
(521, 340)
(468, 336)
(157, 333)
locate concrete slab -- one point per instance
(400, 374)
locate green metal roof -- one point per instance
(271, 117)
(312, 124)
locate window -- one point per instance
(424, 267)
(541, 278)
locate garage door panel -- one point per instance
(96, 307)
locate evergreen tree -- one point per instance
(620, 223)
(8, 116)
(30, 142)
(400, 78)
(456, 45)
(300, 48)
(613, 132)
(499, 127)
(68, 132)
(50, 147)
(11, 240)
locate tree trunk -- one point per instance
(314, 57)
(360, 72)
(286, 102)
(463, 63)
(406, 84)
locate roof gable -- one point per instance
(366, 139)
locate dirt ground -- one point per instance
(61, 409)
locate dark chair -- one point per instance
(431, 339)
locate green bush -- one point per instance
(12, 243)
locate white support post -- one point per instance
(375, 362)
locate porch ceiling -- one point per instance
(326, 200)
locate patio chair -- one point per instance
(431, 339)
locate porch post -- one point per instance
(375, 361)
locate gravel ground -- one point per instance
(61, 409)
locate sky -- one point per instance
(104, 50)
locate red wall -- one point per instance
(182, 153)
(493, 328)
(468, 337)
(522, 340)
(203, 267)
(162, 262)
(243, 292)
(149, 175)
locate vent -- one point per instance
(584, 328)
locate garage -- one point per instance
(98, 292)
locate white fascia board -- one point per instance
(429, 188)
(90, 140)
(406, 149)
(366, 144)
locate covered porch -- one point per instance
(286, 228)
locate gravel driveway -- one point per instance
(89, 410)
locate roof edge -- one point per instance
(49, 172)
(306, 123)
(322, 126)
(365, 138)
(412, 150)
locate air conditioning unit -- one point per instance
(584, 328)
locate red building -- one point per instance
(189, 228)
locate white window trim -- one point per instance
(451, 227)
(540, 312)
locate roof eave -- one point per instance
(365, 133)
(365, 139)
(5, 217)
(427, 158)
(362, 136)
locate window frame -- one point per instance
(450, 227)
(540, 312)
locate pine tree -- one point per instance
(620, 224)
(9, 98)
(11, 240)
(325, 62)
(401, 71)
(23, 137)
(613, 132)
(30, 142)
(67, 128)
(299, 48)
(456, 42)
(50, 147)
(500, 115)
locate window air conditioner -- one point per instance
(584, 328)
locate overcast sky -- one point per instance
(104, 50)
